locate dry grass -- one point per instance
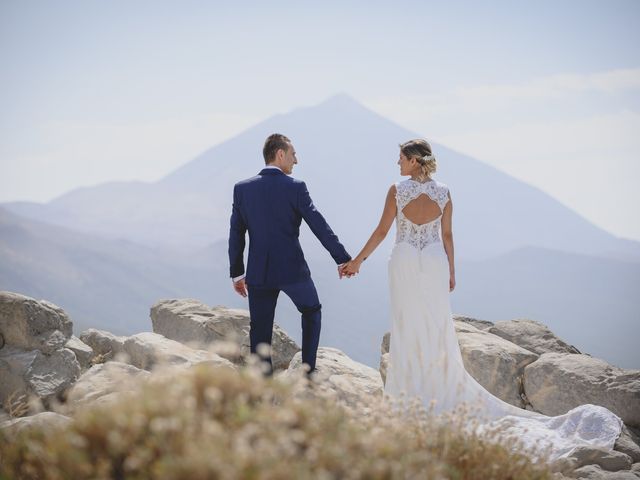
(215, 423)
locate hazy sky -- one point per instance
(547, 91)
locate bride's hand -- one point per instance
(452, 281)
(351, 268)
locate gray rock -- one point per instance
(479, 324)
(532, 335)
(40, 420)
(30, 324)
(194, 323)
(494, 362)
(33, 373)
(594, 472)
(629, 442)
(384, 348)
(84, 353)
(103, 379)
(351, 383)
(635, 468)
(610, 460)
(558, 382)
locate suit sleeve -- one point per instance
(320, 227)
(237, 231)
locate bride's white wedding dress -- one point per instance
(424, 356)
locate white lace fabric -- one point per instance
(420, 236)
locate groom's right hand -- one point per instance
(240, 287)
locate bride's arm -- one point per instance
(447, 239)
(378, 235)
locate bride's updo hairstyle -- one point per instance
(421, 151)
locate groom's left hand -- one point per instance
(240, 287)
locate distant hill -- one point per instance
(348, 158)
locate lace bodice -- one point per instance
(406, 231)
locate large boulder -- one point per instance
(30, 324)
(194, 323)
(351, 383)
(104, 379)
(557, 382)
(33, 373)
(495, 363)
(531, 335)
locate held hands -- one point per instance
(349, 269)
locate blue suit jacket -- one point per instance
(271, 207)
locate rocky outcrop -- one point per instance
(531, 335)
(29, 324)
(351, 383)
(146, 350)
(558, 382)
(196, 324)
(498, 365)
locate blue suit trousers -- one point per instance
(262, 306)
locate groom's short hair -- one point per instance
(272, 144)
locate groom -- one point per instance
(271, 206)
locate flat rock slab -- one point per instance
(146, 350)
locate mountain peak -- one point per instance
(340, 100)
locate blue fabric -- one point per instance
(271, 207)
(262, 306)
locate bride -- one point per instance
(424, 356)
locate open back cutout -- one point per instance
(421, 210)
